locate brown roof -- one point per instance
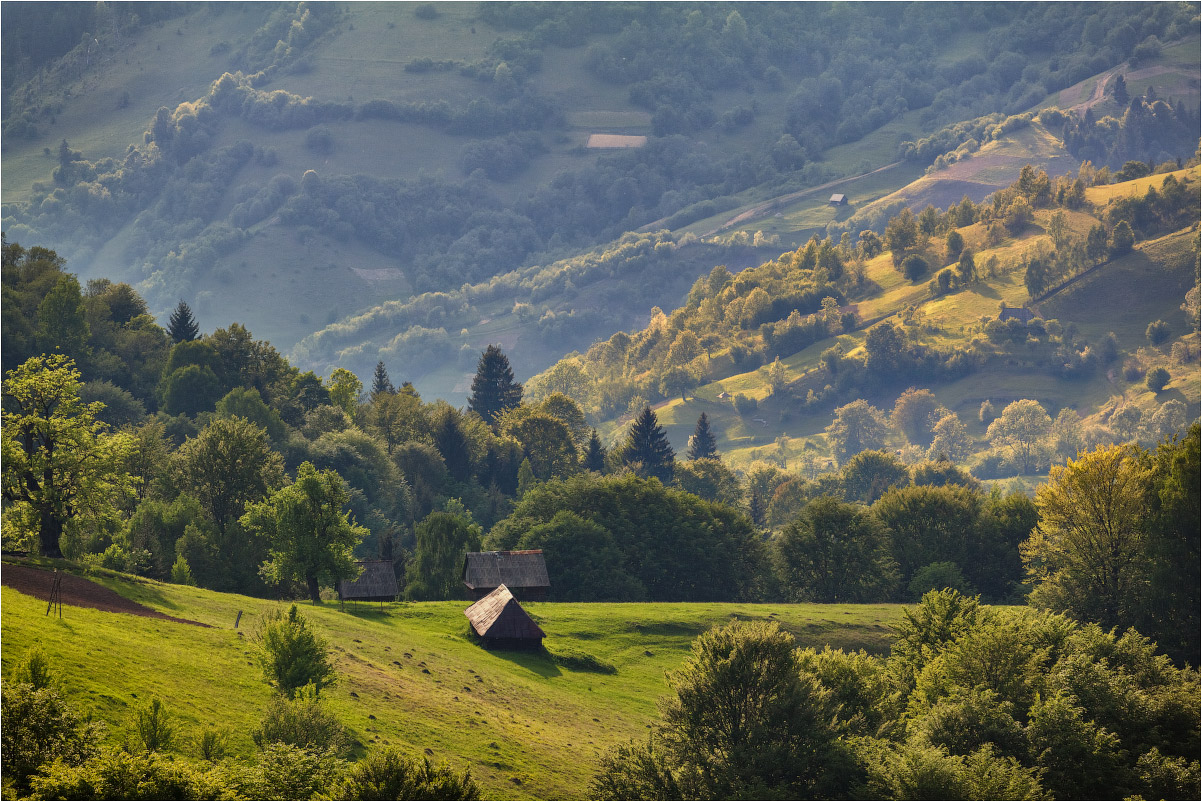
(498, 615)
(376, 581)
(517, 569)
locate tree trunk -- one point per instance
(314, 590)
(51, 532)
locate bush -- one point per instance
(37, 727)
(1157, 379)
(117, 774)
(154, 729)
(291, 772)
(1158, 332)
(292, 655)
(302, 722)
(744, 404)
(33, 669)
(389, 774)
(914, 267)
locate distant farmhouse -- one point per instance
(501, 623)
(377, 582)
(524, 573)
(838, 200)
(1020, 313)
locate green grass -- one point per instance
(528, 725)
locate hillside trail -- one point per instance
(78, 592)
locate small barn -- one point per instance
(523, 572)
(376, 582)
(1020, 313)
(838, 200)
(501, 623)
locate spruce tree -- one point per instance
(702, 444)
(647, 449)
(1120, 91)
(181, 325)
(453, 445)
(493, 389)
(380, 383)
(594, 455)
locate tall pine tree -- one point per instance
(702, 444)
(493, 389)
(380, 383)
(594, 455)
(181, 325)
(647, 449)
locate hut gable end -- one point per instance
(500, 621)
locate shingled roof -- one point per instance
(377, 582)
(499, 617)
(516, 569)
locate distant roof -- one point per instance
(838, 198)
(498, 615)
(377, 581)
(517, 569)
(1017, 313)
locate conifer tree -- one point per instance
(182, 326)
(493, 389)
(380, 383)
(594, 455)
(452, 444)
(702, 444)
(647, 449)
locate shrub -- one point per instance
(938, 576)
(117, 774)
(291, 654)
(33, 669)
(154, 729)
(745, 404)
(302, 722)
(292, 772)
(914, 267)
(36, 727)
(389, 774)
(1157, 379)
(1158, 332)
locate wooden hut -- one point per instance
(523, 572)
(376, 582)
(1020, 313)
(838, 199)
(501, 622)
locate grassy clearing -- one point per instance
(529, 726)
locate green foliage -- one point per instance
(646, 450)
(744, 721)
(435, 572)
(1158, 331)
(286, 771)
(388, 773)
(584, 559)
(493, 388)
(292, 655)
(33, 669)
(675, 546)
(856, 427)
(914, 267)
(302, 722)
(182, 326)
(153, 728)
(61, 471)
(835, 553)
(1157, 379)
(117, 774)
(38, 728)
(309, 536)
(709, 479)
(937, 576)
(870, 474)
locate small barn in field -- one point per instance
(1020, 313)
(838, 200)
(376, 582)
(524, 573)
(501, 623)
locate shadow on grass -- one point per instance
(985, 291)
(540, 662)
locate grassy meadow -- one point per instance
(530, 725)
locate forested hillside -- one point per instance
(212, 152)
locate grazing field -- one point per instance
(529, 725)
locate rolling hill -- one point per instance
(452, 148)
(530, 726)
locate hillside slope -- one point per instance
(530, 726)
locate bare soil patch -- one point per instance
(78, 592)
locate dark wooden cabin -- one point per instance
(1020, 313)
(501, 623)
(523, 572)
(837, 200)
(376, 582)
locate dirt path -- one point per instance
(78, 592)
